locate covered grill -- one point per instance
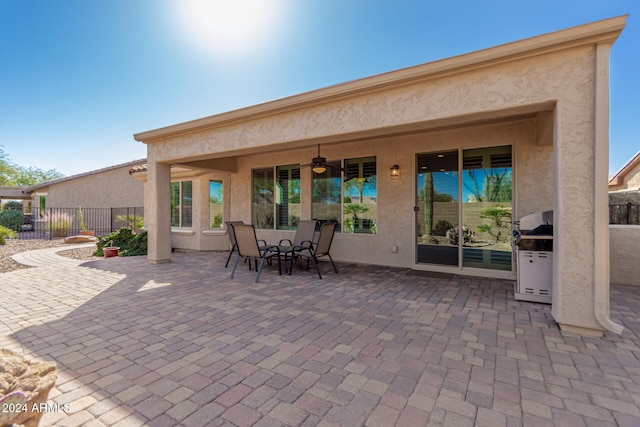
(534, 257)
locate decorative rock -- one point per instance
(24, 388)
(80, 239)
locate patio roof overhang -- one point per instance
(14, 193)
(605, 31)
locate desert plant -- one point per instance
(442, 227)
(6, 233)
(500, 217)
(468, 236)
(12, 219)
(83, 227)
(59, 223)
(130, 243)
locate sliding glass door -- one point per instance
(463, 208)
(437, 208)
(487, 186)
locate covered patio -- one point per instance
(527, 120)
(181, 343)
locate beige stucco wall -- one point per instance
(624, 246)
(396, 196)
(201, 236)
(112, 188)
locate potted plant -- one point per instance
(110, 251)
(83, 227)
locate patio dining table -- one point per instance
(305, 233)
(286, 254)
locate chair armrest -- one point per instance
(263, 242)
(305, 244)
(285, 240)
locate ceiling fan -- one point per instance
(319, 164)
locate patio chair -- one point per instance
(313, 251)
(305, 232)
(232, 238)
(248, 248)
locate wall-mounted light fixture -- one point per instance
(395, 171)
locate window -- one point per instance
(181, 204)
(276, 197)
(287, 197)
(360, 195)
(326, 194)
(262, 198)
(216, 213)
(42, 204)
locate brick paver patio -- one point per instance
(182, 344)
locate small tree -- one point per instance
(354, 209)
(500, 217)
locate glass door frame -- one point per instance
(460, 268)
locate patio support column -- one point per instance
(158, 212)
(581, 228)
(601, 188)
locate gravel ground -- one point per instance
(14, 246)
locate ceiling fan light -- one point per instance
(319, 169)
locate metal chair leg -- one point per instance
(229, 257)
(235, 264)
(259, 269)
(332, 263)
(315, 262)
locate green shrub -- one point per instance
(442, 227)
(130, 243)
(6, 232)
(11, 219)
(217, 221)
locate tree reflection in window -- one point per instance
(360, 195)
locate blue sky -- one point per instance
(80, 77)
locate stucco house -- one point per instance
(628, 177)
(427, 167)
(107, 188)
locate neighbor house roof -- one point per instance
(618, 177)
(81, 175)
